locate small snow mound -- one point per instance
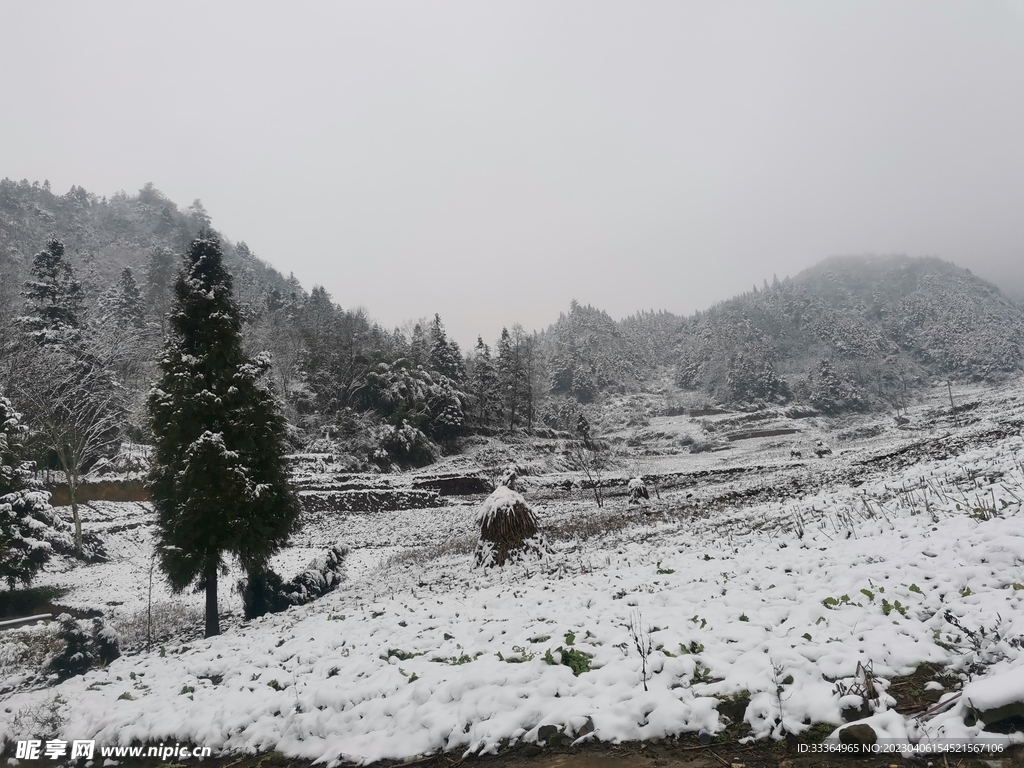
(993, 692)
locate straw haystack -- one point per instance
(637, 490)
(508, 527)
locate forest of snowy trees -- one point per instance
(85, 287)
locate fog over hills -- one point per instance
(851, 332)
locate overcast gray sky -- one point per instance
(493, 160)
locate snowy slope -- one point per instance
(780, 600)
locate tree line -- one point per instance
(386, 398)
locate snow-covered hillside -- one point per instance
(918, 556)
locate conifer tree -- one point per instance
(510, 375)
(62, 383)
(54, 298)
(198, 217)
(121, 336)
(123, 303)
(484, 382)
(527, 370)
(218, 478)
(445, 356)
(159, 277)
(30, 531)
(419, 346)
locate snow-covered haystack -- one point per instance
(508, 528)
(637, 490)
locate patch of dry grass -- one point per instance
(171, 620)
(455, 546)
(25, 651)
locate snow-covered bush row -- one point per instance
(266, 592)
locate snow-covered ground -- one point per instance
(911, 561)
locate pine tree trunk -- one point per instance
(212, 619)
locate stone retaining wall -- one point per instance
(368, 500)
(102, 490)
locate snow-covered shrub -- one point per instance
(43, 720)
(24, 652)
(558, 412)
(348, 441)
(403, 393)
(130, 459)
(361, 441)
(320, 577)
(266, 592)
(262, 593)
(832, 392)
(30, 531)
(85, 644)
(703, 444)
(403, 445)
(106, 641)
(508, 529)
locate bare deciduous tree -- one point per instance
(591, 462)
(74, 409)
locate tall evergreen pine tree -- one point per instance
(510, 375)
(445, 356)
(122, 304)
(54, 298)
(218, 477)
(484, 384)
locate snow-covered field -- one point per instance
(785, 600)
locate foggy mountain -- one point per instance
(852, 333)
(103, 235)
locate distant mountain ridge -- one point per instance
(104, 235)
(849, 333)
